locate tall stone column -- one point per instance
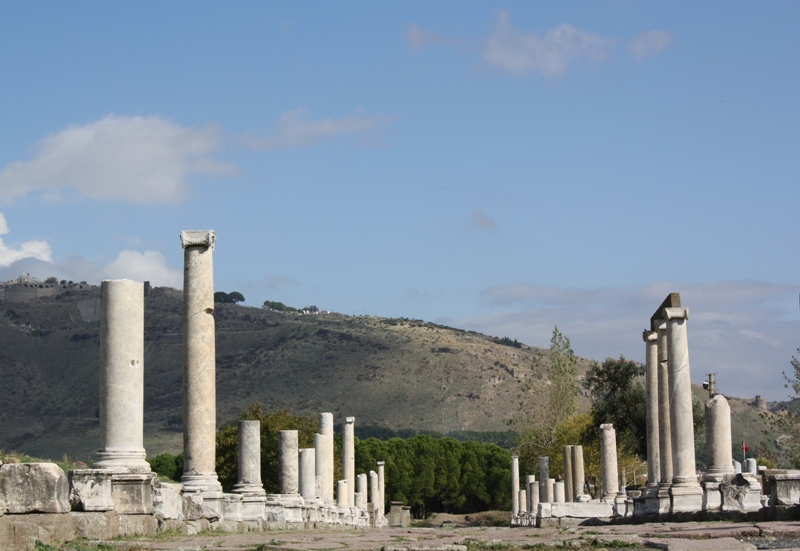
(718, 439)
(664, 402)
(324, 447)
(569, 494)
(578, 477)
(532, 493)
(249, 482)
(382, 487)
(544, 474)
(342, 494)
(651, 403)
(349, 458)
(122, 377)
(374, 491)
(514, 484)
(199, 364)
(608, 461)
(288, 461)
(685, 492)
(307, 483)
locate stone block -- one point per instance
(167, 501)
(34, 488)
(686, 498)
(591, 509)
(399, 515)
(19, 532)
(195, 526)
(232, 507)
(784, 488)
(90, 490)
(138, 525)
(253, 507)
(712, 497)
(741, 492)
(96, 525)
(133, 493)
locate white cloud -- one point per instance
(507, 49)
(483, 221)
(145, 266)
(419, 39)
(649, 44)
(39, 250)
(294, 129)
(139, 159)
(745, 331)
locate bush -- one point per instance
(168, 465)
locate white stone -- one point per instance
(651, 404)
(550, 490)
(664, 421)
(718, 439)
(307, 482)
(199, 364)
(167, 500)
(90, 490)
(558, 492)
(342, 494)
(586, 509)
(514, 484)
(349, 458)
(288, 461)
(608, 460)
(249, 461)
(324, 455)
(569, 492)
(232, 507)
(532, 493)
(122, 377)
(133, 493)
(382, 488)
(578, 477)
(34, 488)
(523, 500)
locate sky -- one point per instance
(505, 167)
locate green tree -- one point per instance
(236, 296)
(549, 399)
(786, 423)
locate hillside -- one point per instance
(395, 373)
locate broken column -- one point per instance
(544, 474)
(514, 484)
(199, 365)
(374, 496)
(532, 493)
(382, 487)
(569, 494)
(249, 448)
(685, 492)
(664, 421)
(608, 461)
(361, 488)
(307, 482)
(288, 458)
(719, 455)
(349, 458)
(122, 377)
(323, 443)
(578, 478)
(651, 404)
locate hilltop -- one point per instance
(394, 373)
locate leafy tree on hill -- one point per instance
(786, 422)
(228, 298)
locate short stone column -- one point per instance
(718, 439)
(550, 490)
(342, 494)
(199, 364)
(361, 488)
(382, 487)
(374, 496)
(249, 448)
(750, 466)
(288, 461)
(544, 474)
(532, 493)
(664, 417)
(523, 502)
(569, 494)
(651, 404)
(578, 477)
(307, 483)
(608, 461)
(324, 457)
(514, 484)
(685, 492)
(349, 458)
(122, 377)
(559, 492)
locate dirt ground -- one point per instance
(450, 532)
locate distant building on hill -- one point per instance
(26, 288)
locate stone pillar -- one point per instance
(544, 474)
(324, 447)
(349, 458)
(685, 492)
(288, 459)
(122, 377)
(664, 421)
(342, 494)
(307, 483)
(569, 494)
(578, 479)
(514, 484)
(523, 502)
(608, 461)
(549, 490)
(249, 482)
(532, 493)
(382, 487)
(651, 404)
(558, 492)
(374, 489)
(718, 439)
(361, 488)
(199, 364)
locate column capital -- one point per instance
(349, 420)
(202, 238)
(676, 313)
(660, 325)
(381, 463)
(649, 336)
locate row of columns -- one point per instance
(548, 490)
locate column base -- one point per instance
(122, 461)
(133, 493)
(90, 490)
(712, 498)
(207, 483)
(249, 489)
(686, 498)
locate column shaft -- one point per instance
(382, 487)
(719, 453)
(307, 483)
(325, 454)
(349, 458)
(651, 404)
(288, 460)
(569, 495)
(514, 484)
(578, 478)
(608, 460)
(249, 448)
(664, 417)
(544, 474)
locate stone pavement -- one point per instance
(690, 536)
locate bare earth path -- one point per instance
(685, 536)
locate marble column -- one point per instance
(374, 489)
(122, 377)
(549, 490)
(342, 494)
(651, 404)
(569, 494)
(249, 448)
(532, 493)
(199, 364)
(608, 461)
(308, 470)
(288, 460)
(523, 502)
(664, 417)
(361, 488)
(558, 492)
(349, 458)
(514, 484)
(544, 474)
(324, 456)
(578, 478)
(382, 487)
(718, 439)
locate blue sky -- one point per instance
(504, 167)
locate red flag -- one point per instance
(745, 447)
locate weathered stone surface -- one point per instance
(651, 407)
(231, 507)
(34, 488)
(591, 509)
(664, 417)
(288, 459)
(167, 501)
(90, 490)
(578, 477)
(718, 439)
(514, 485)
(544, 474)
(133, 493)
(569, 492)
(96, 526)
(608, 459)
(249, 448)
(307, 477)
(349, 458)
(784, 488)
(323, 443)
(740, 492)
(18, 532)
(138, 525)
